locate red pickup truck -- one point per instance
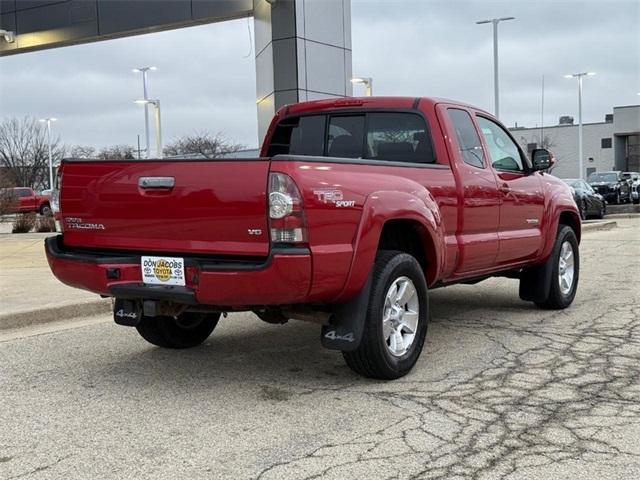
(24, 200)
(354, 210)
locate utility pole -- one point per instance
(145, 94)
(496, 87)
(48, 122)
(579, 76)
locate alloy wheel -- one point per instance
(400, 316)
(566, 268)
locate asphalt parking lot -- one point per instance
(502, 391)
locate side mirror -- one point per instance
(542, 159)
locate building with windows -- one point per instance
(613, 144)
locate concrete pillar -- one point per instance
(303, 52)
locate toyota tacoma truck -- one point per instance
(355, 209)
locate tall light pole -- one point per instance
(48, 122)
(496, 88)
(367, 82)
(145, 95)
(156, 104)
(579, 77)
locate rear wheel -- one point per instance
(45, 209)
(565, 270)
(187, 330)
(396, 321)
(584, 211)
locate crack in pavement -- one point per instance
(555, 399)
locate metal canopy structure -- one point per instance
(303, 47)
(40, 24)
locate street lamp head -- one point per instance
(359, 80)
(51, 119)
(581, 74)
(147, 102)
(494, 20)
(143, 69)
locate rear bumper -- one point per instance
(282, 278)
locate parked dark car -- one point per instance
(634, 178)
(613, 186)
(590, 203)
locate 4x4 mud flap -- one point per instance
(347, 322)
(127, 312)
(535, 283)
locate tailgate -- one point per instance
(207, 207)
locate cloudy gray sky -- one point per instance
(421, 47)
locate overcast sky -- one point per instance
(206, 81)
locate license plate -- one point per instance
(162, 270)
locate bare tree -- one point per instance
(206, 144)
(24, 152)
(82, 151)
(116, 152)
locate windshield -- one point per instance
(572, 182)
(603, 177)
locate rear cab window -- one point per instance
(378, 136)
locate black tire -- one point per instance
(603, 211)
(187, 330)
(618, 198)
(45, 209)
(556, 299)
(373, 357)
(584, 211)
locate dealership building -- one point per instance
(613, 144)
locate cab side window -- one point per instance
(398, 137)
(468, 139)
(504, 153)
(299, 136)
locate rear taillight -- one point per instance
(287, 222)
(54, 199)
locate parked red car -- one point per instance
(24, 200)
(354, 210)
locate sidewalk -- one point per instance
(29, 293)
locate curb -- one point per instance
(593, 227)
(45, 315)
(623, 215)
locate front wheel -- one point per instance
(565, 270)
(396, 321)
(189, 329)
(602, 211)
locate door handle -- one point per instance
(156, 182)
(504, 188)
